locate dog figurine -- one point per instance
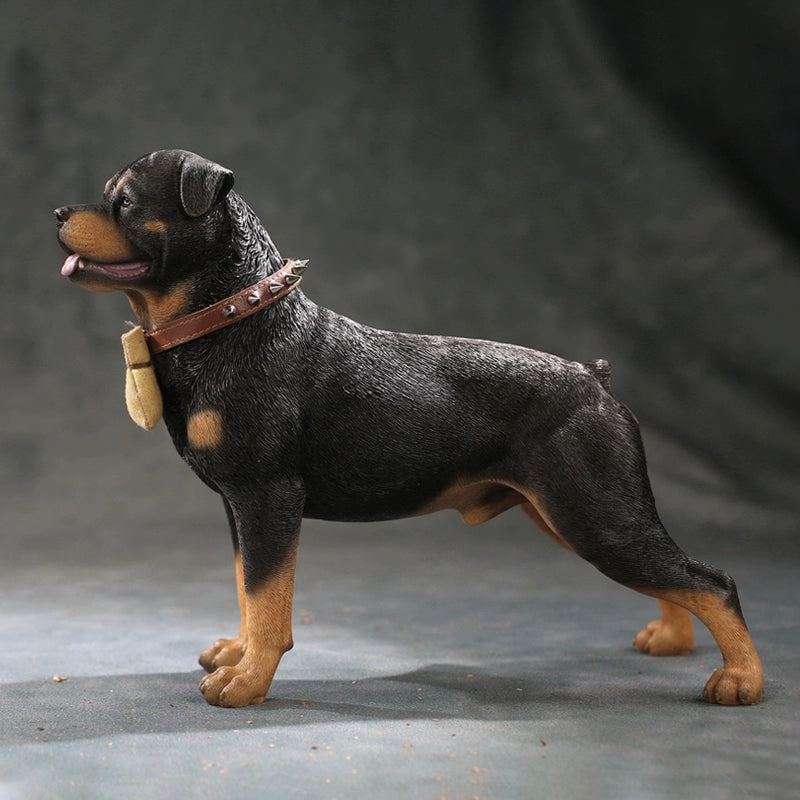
(289, 410)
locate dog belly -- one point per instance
(386, 471)
(411, 477)
(368, 503)
(434, 423)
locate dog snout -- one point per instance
(61, 215)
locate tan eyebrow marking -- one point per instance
(155, 226)
(121, 182)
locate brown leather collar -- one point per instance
(227, 311)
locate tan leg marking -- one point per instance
(476, 502)
(97, 238)
(229, 652)
(269, 636)
(204, 429)
(538, 516)
(672, 635)
(482, 500)
(741, 678)
(536, 511)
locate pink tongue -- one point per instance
(70, 265)
(123, 270)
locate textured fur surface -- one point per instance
(298, 411)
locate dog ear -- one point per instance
(203, 184)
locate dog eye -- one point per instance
(124, 201)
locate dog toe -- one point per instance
(223, 653)
(730, 686)
(231, 687)
(662, 639)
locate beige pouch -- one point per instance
(142, 395)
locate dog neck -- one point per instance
(253, 254)
(228, 311)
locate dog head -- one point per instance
(162, 219)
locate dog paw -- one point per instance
(232, 687)
(662, 639)
(223, 653)
(730, 686)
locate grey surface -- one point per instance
(562, 215)
(428, 663)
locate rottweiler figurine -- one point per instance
(287, 410)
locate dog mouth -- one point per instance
(76, 265)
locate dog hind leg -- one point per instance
(740, 681)
(593, 491)
(682, 585)
(530, 508)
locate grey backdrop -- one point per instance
(475, 170)
(596, 179)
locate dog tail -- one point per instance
(601, 370)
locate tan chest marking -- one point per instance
(204, 429)
(166, 307)
(155, 309)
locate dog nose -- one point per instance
(62, 215)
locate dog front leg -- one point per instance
(672, 635)
(229, 652)
(268, 568)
